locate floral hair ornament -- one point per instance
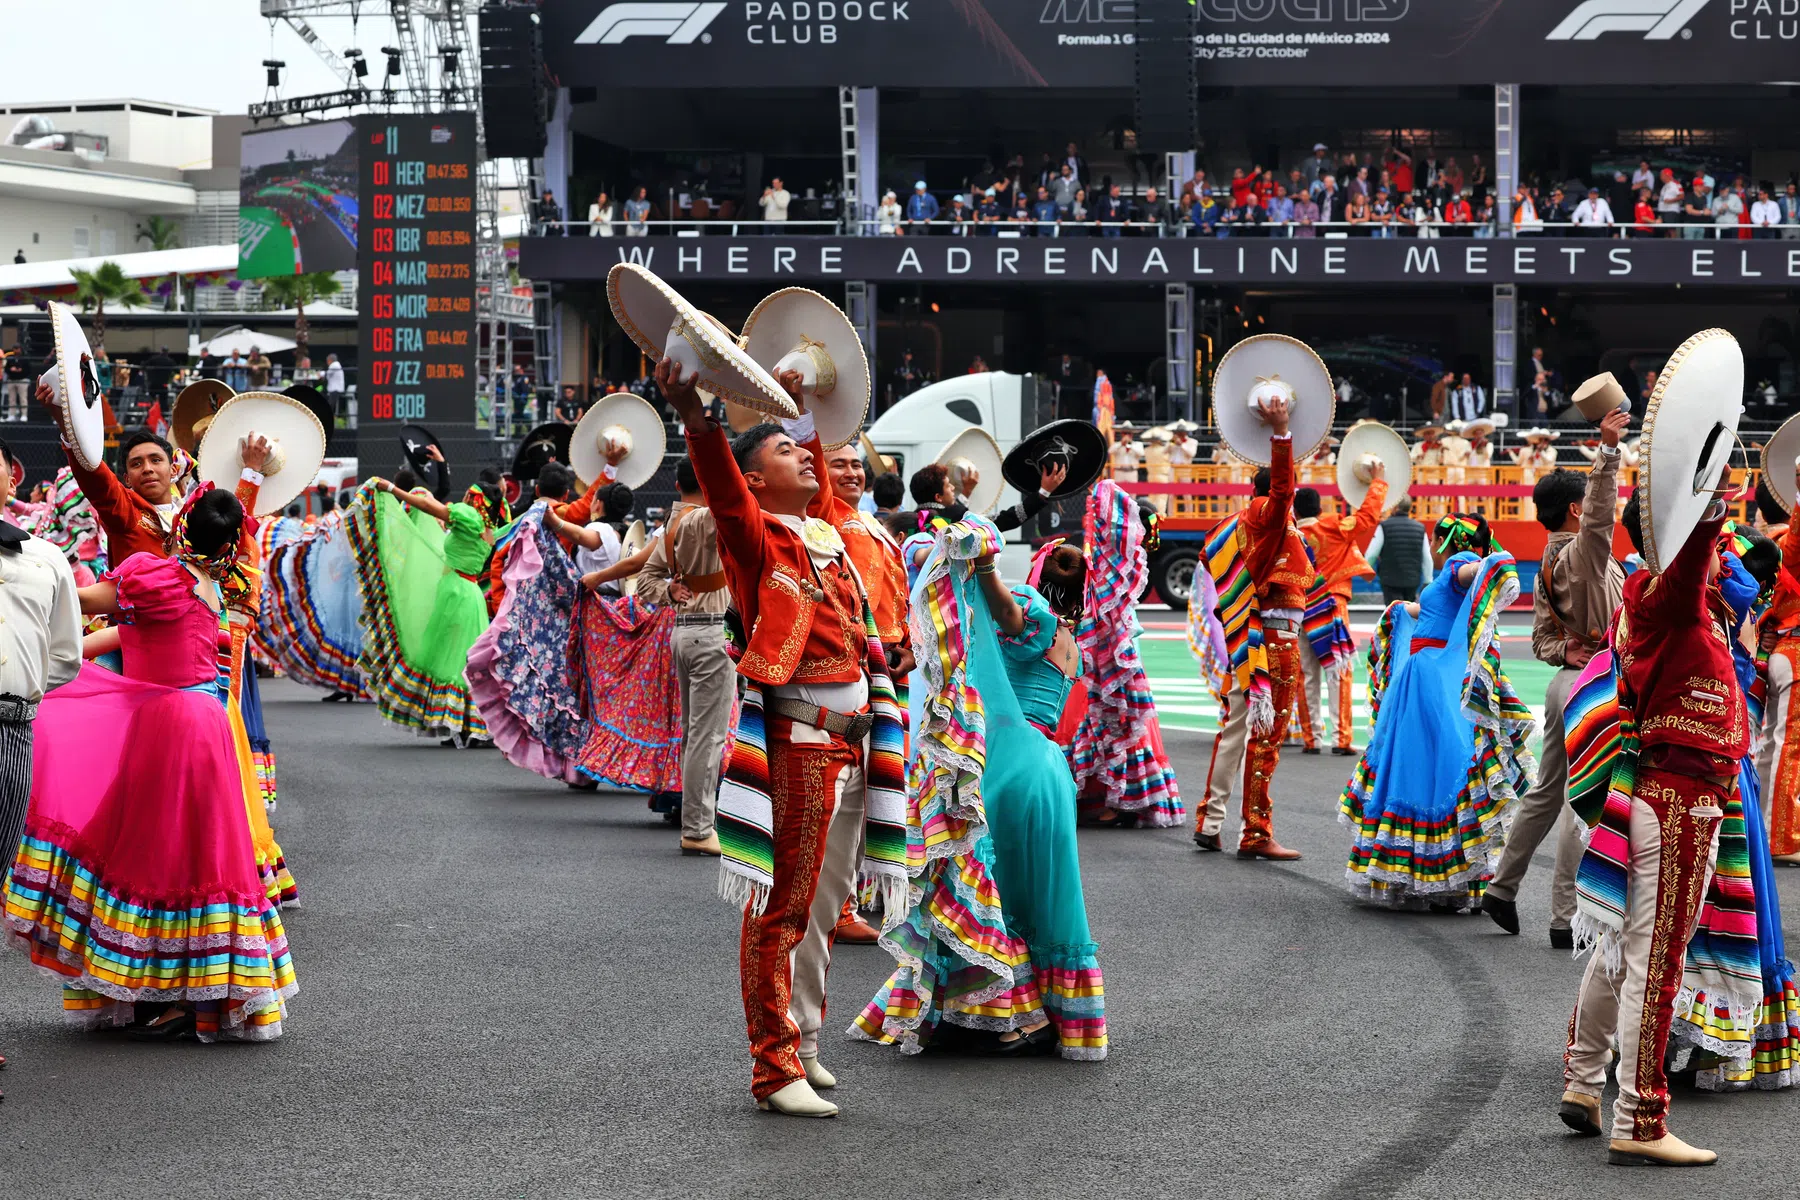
(238, 582)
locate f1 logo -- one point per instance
(1657, 20)
(679, 24)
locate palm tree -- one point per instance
(160, 232)
(297, 291)
(105, 284)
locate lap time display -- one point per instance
(417, 268)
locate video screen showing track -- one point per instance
(297, 209)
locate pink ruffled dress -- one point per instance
(136, 879)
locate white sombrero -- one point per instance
(79, 407)
(620, 416)
(975, 447)
(296, 441)
(1698, 401)
(662, 322)
(1262, 368)
(1539, 433)
(1778, 462)
(1479, 427)
(799, 330)
(1366, 442)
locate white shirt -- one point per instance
(334, 377)
(1126, 456)
(40, 620)
(1765, 212)
(1670, 198)
(775, 205)
(599, 559)
(1592, 212)
(1181, 453)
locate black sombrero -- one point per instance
(1077, 443)
(321, 406)
(546, 444)
(415, 440)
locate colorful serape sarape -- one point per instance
(1228, 563)
(1722, 967)
(1116, 755)
(746, 815)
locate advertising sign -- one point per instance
(1327, 262)
(1089, 43)
(416, 327)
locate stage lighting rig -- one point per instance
(358, 63)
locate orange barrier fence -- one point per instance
(1206, 493)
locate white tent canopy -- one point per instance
(147, 264)
(239, 340)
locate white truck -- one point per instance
(916, 429)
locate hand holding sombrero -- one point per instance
(665, 325)
(811, 348)
(279, 434)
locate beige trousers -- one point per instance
(708, 683)
(837, 878)
(1546, 804)
(1774, 730)
(1227, 762)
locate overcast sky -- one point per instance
(200, 52)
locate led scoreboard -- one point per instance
(416, 267)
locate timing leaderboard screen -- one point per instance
(416, 262)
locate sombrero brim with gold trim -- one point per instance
(661, 321)
(291, 427)
(1690, 429)
(1373, 438)
(80, 408)
(196, 405)
(785, 321)
(1778, 462)
(639, 419)
(1264, 357)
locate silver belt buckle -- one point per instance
(859, 726)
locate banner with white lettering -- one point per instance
(1089, 43)
(1311, 261)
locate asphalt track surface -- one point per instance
(509, 989)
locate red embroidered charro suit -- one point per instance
(876, 557)
(1682, 688)
(1278, 564)
(1338, 543)
(131, 522)
(803, 625)
(1779, 759)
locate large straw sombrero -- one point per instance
(1259, 369)
(80, 407)
(1077, 444)
(661, 321)
(975, 447)
(799, 330)
(1695, 408)
(623, 417)
(296, 440)
(194, 409)
(1778, 462)
(1366, 441)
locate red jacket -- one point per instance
(1679, 677)
(877, 558)
(1277, 554)
(131, 522)
(804, 624)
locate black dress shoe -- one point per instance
(1504, 912)
(1343, 751)
(1562, 939)
(1310, 750)
(1207, 841)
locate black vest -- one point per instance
(1401, 566)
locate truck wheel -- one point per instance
(1173, 575)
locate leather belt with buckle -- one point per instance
(852, 727)
(1281, 625)
(14, 709)
(699, 618)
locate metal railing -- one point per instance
(685, 227)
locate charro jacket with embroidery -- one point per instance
(1277, 554)
(131, 522)
(1679, 678)
(872, 551)
(803, 625)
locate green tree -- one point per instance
(105, 284)
(160, 232)
(296, 292)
